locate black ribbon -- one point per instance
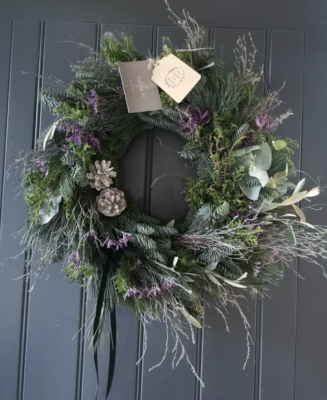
(114, 257)
(113, 325)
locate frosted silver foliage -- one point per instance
(49, 208)
(101, 176)
(111, 202)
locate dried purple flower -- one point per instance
(265, 262)
(191, 118)
(93, 100)
(76, 134)
(154, 290)
(41, 163)
(90, 234)
(106, 241)
(74, 259)
(130, 292)
(264, 122)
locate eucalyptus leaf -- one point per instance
(271, 183)
(279, 144)
(291, 234)
(175, 262)
(299, 186)
(49, 208)
(212, 266)
(260, 174)
(313, 192)
(171, 223)
(190, 318)
(263, 157)
(251, 192)
(241, 277)
(188, 278)
(234, 283)
(308, 225)
(279, 177)
(214, 279)
(50, 133)
(269, 207)
(294, 199)
(299, 212)
(246, 150)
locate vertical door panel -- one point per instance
(311, 345)
(19, 137)
(54, 313)
(132, 177)
(224, 353)
(167, 203)
(279, 312)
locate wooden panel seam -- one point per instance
(7, 122)
(83, 295)
(26, 285)
(146, 209)
(298, 260)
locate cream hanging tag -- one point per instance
(175, 77)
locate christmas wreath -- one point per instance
(243, 226)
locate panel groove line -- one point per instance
(259, 309)
(83, 298)
(6, 123)
(147, 210)
(200, 332)
(26, 283)
(298, 260)
(278, 324)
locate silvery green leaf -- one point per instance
(175, 262)
(242, 277)
(313, 192)
(234, 283)
(49, 208)
(299, 186)
(279, 144)
(214, 280)
(211, 266)
(299, 212)
(259, 174)
(251, 192)
(245, 150)
(190, 318)
(291, 234)
(279, 177)
(171, 223)
(307, 224)
(50, 133)
(294, 199)
(263, 157)
(188, 278)
(268, 207)
(271, 183)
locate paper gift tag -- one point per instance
(175, 77)
(141, 93)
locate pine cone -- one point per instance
(101, 176)
(111, 202)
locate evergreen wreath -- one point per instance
(243, 226)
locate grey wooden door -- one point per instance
(42, 352)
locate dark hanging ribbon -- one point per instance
(113, 325)
(114, 257)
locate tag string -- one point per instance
(153, 62)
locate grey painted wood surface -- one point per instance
(42, 352)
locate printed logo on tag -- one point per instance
(175, 77)
(141, 93)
